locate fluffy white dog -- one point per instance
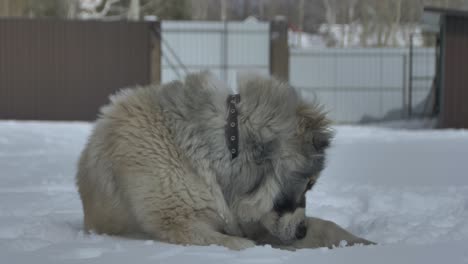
(188, 163)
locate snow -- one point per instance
(350, 36)
(306, 40)
(405, 189)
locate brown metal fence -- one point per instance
(65, 70)
(454, 108)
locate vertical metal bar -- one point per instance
(381, 95)
(410, 84)
(224, 52)
(335, 88)
(404, 87)
(437, 87)
(442, 120)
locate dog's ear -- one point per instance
(313, 127)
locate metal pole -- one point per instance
(410, 84)
(224, 52)
(404, 83)
(224, 42)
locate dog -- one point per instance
(188, 163)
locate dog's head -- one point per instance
(282, 142)
(281, 154)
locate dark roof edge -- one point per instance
(446, 11)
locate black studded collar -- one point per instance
(232, 126)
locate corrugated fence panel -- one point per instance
(454, 112)
(65, 70)
(358, 84)
(223, 49)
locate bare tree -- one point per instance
(133, 12)
(340, 17)
(99, 11)
(4, 8)
(224, 9)
(349, 27)
(68, 8)
(331, 10)
(301, 21)
(199, 9)
(396, 22)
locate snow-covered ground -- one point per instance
(405, 189)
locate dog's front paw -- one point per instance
(359, 241)
(323, 233)
(237, 243)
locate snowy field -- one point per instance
(405, 189)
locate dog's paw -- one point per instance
(237, 243)
(359, 241)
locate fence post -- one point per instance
(155, 57)
(410, 84)
(404, 107)
(279, 50)
(225, 51)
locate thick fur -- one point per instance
(157, 163)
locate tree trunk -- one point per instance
(223, 10)
(300, 22)
(133, 12)
(396, 23)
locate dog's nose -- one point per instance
(301, 230)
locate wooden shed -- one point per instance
(451, 26)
